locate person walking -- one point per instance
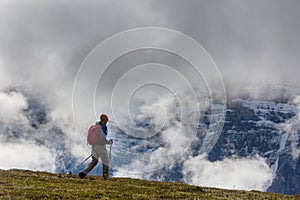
(99, 150)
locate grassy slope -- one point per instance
(22, 184)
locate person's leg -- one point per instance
(105, 162)
(95, 157)
(91, 165)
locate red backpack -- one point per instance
(92, 137)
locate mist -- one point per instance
(232, 173)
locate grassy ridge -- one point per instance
(24, 184)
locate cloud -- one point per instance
(24, 154)
(4, 79)
(231, 173)
(31, 140)
(42, 51)
(255, 44)
(170, 145)
(12, 106)
(245, 38)
(172, 140)
(41, 48)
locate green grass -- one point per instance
(24, 184)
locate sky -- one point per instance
(253, 46)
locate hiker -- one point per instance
(99, 149)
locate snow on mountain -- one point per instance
(255, 127)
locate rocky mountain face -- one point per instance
(252, 127)
(258, 127)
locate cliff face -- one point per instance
(259, 127)
(252, 127)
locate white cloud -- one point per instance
(4, 79)
(26, 155)
(174, 137)
(230, 173)
(12, 106)
(41, 59)
(41, 47)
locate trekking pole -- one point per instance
(110, 151)
(79, 164)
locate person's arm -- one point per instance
(104, 139)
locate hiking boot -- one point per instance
(105, 177)
(81, 175)
(105, 172)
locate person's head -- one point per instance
(103, 118)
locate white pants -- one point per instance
(99, 151)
